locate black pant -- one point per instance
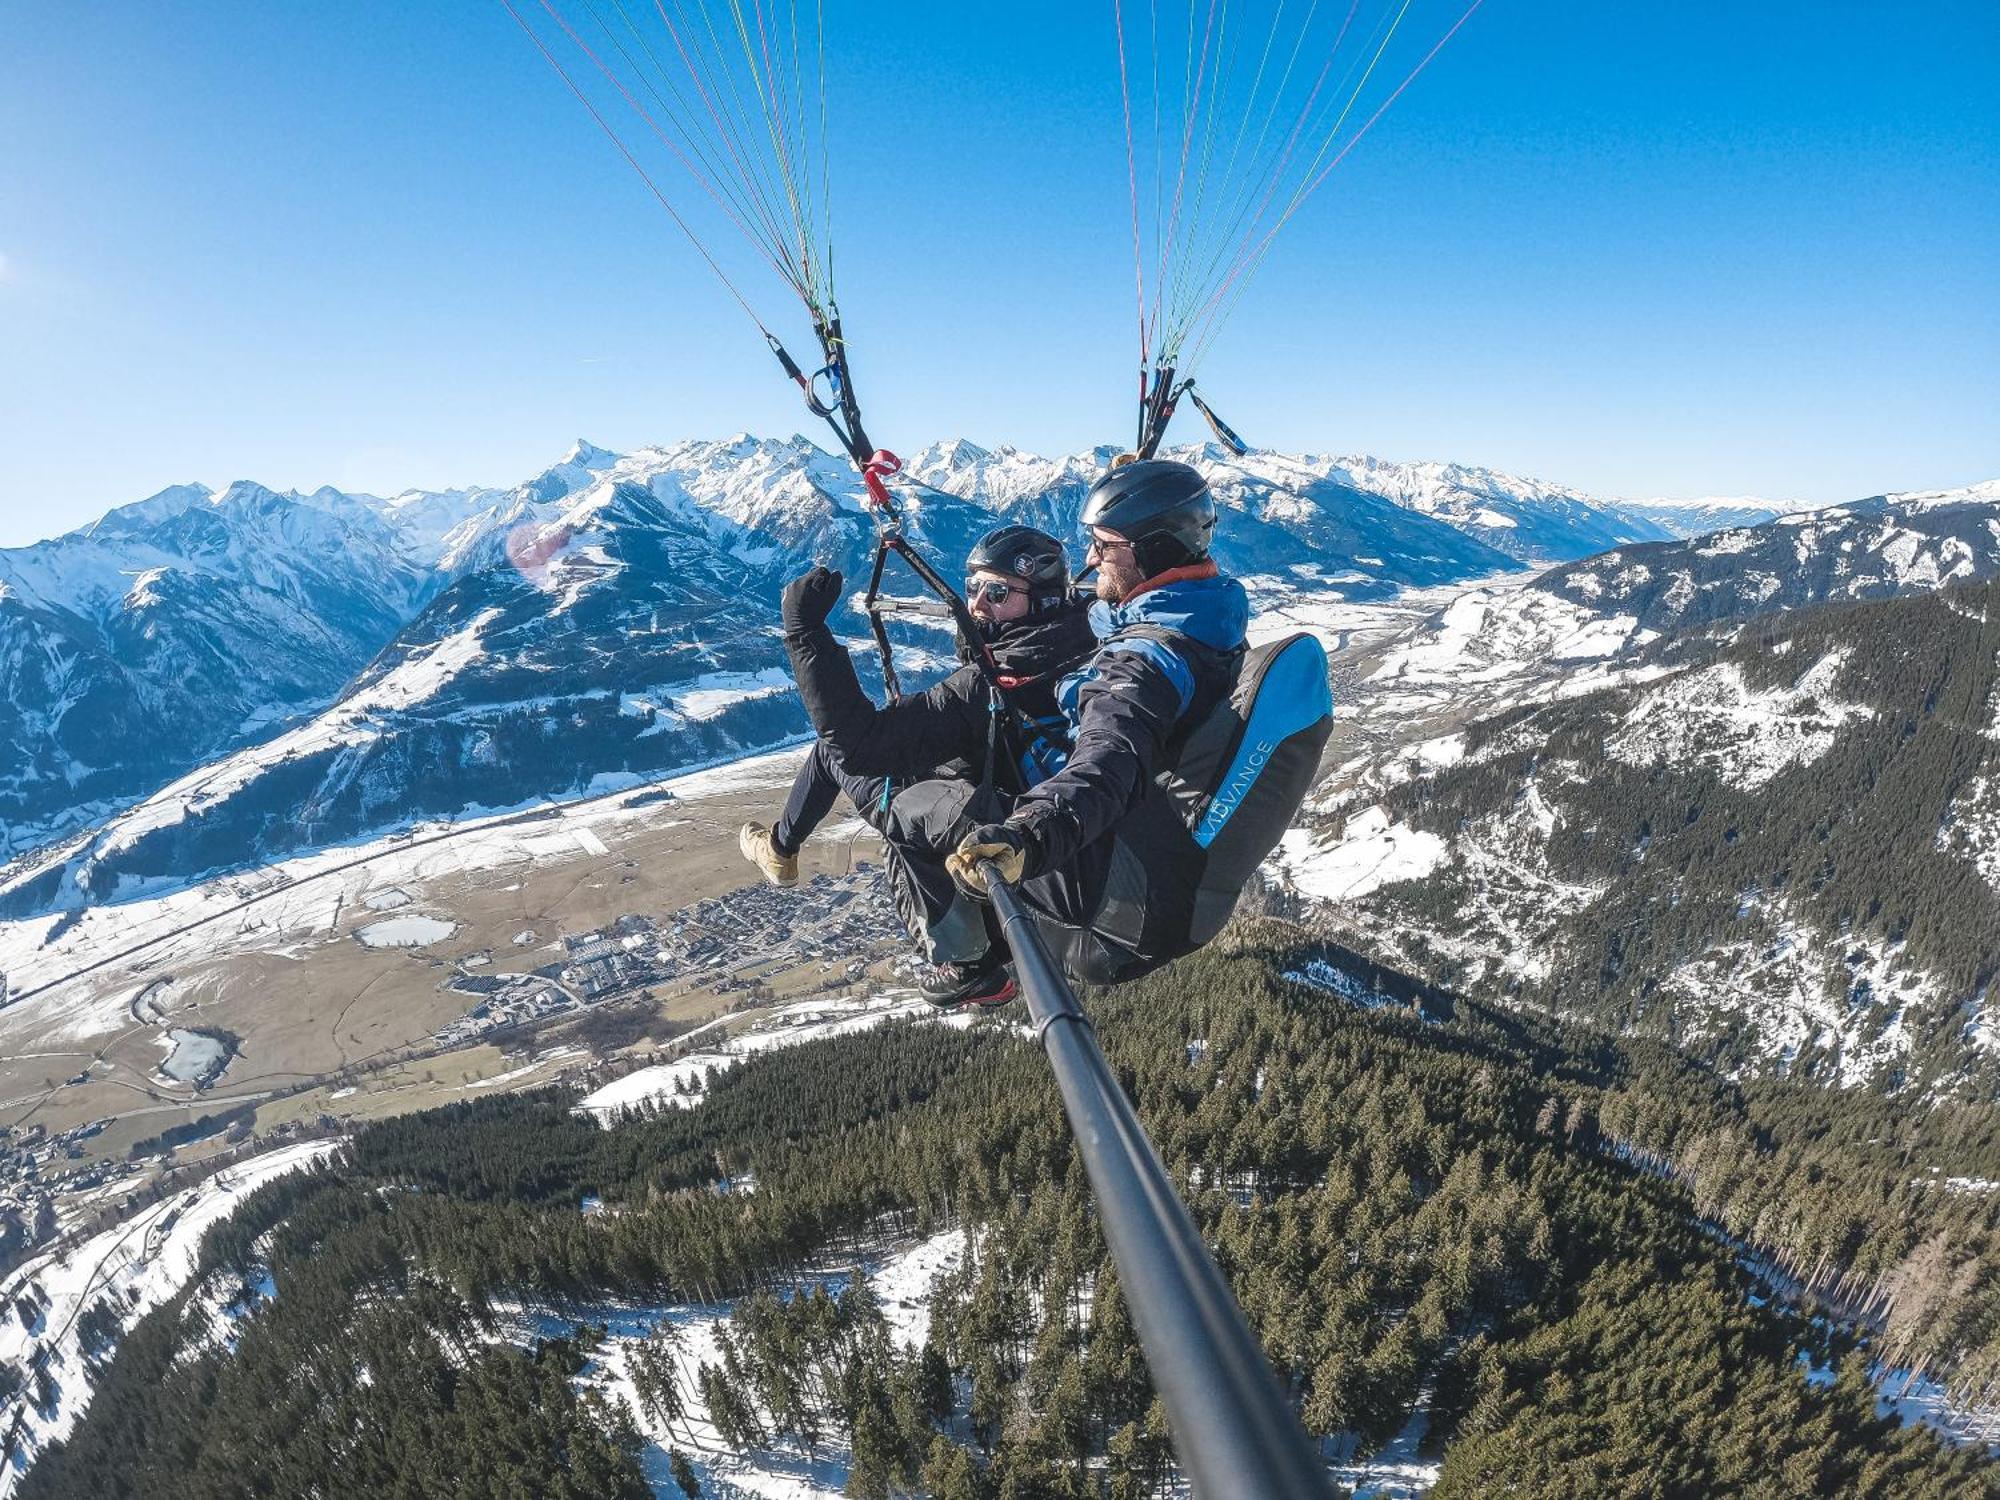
(919, 827)
(821, 779)
(1114, 913)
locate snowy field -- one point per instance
(680, 1083)
(1371, 853)
(405, 932)
(1398, 1472)
(900, 1275)
(77, 967)
(135, 1267)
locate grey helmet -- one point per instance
(1162, 507)
(1031, 555)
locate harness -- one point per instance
(840, 409)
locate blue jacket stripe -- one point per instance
(1162, 656)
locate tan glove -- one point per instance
(1002, 843)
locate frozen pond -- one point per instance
(195, 1058)
(406, 932)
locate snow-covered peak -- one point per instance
(248, 494)
(154, 509)
(945, 457)
(1434, 487)
(586, 454)
(1987, 492)
(1720, 502)
(145, 590)
(1004, 475)
(1710, 513)
(614, 502)
(248, 534)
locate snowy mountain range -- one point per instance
(1737, 792)
(173, 627)
(207, 679)
(1690, 518)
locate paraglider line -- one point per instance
(654, 125)
(1132, 174)
(644, 176)
(1249, 262)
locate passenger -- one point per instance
(1019, 592)
(1101, 854)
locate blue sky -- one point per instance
(1703, 248)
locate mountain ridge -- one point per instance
(611, 616)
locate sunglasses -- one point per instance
(992, 590)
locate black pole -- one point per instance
(1233, 1428)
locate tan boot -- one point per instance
(755, 842)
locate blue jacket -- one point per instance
(1163, 661)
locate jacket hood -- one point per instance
(1214, 611)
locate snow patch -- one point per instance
(1371, 853)
(681, 1083)
(1748, 736)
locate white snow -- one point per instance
(1334, 980)
(405, 932)
(1369, 854)
(1747, 735)
(1441, 753)
(1853, 997)
(661, 1084)
(805, 1021)
(900, 1275)
(1972, 830)
(1396, 1472)
(534, 1065)
(709, 694)
(192, 1056)
(1918, 1399)
(1495, 633)
(1727, 543)
(1987, 492)
(1975, 1185)
(902, 1282)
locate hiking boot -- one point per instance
(950, 986)
(757, 846)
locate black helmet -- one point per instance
(1162, 507)
(1023, 552)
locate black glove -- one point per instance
(1007, 846)
(809, 600)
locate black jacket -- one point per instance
(947, 724)
(1164, 660)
